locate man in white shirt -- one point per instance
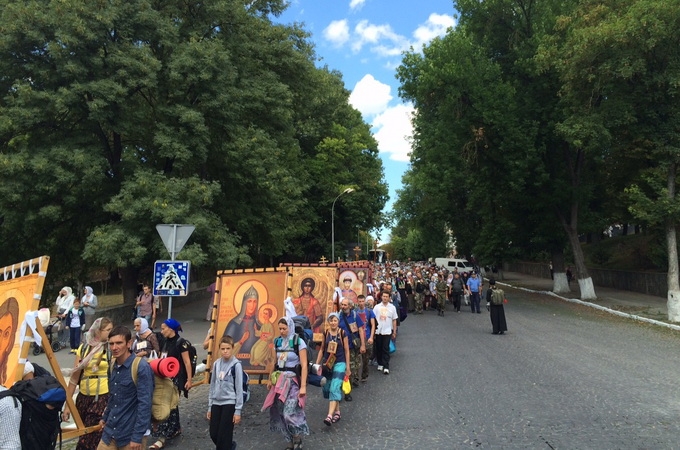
(386, 329)
(10, 412)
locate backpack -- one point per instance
(40, 371)
(497, 296)
(40, 425)
(246, 380)
(296, 348)
(165, 397)
(181, 378)
(303, 328)
(193, 357)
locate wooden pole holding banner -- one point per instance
(27, 268)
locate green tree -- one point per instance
(120, 115)
(619, 65)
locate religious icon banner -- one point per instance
(311, 289)
(20, 291)
(352, 282)
(249, 306)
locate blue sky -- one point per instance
(364, 40)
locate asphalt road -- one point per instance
(563, 377)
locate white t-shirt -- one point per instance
(384, 315)
(289, 358)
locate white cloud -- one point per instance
(436, 26)
(337, 32)
(394, 132)
(382, 39)
(370, 96)
(356, 4)
(366, 33)
(391, 124)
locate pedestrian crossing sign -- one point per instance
(171, 278)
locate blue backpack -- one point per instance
(246, 380)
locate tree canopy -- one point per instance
(116, 116)
(539, 122)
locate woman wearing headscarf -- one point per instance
(89, 303)
(287, 386)
(92, 362)
(334, 356)
(64, 301)
(174, 345)
(145, 339)
(62, 304)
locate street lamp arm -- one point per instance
(346, 191)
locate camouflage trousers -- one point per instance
(419, 303)
(355, 363)
(365, 359)
(441, 301)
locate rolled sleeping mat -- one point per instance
(165, 367)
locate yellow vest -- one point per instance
(95, 382)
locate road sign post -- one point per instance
(174, 236)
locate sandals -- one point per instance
(328, 420)
(297, 443)
(336, 417)
(157, 445)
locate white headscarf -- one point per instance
(291, 327)
(65, 302)
(143, 325)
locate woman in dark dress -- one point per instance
(174, 345)
(496, 310)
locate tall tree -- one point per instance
(619, 63)
(116, 116)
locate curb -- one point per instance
(593, 305)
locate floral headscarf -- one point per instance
(95, 343)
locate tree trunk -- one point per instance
(584, 281)
(672, 243)
(560, 284)
(129, 277)
(582, 276)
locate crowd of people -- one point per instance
(115, 392)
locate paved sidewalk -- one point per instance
(627, 303)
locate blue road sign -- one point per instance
(171, 278)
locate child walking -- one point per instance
(225, 399)
(75, 320)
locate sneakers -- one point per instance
(380, 368)
(386, 371)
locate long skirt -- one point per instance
(497, 313)
(91, 412)
(170, 427)
(288, 418)
(332, 390)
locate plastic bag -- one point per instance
(393, 346)
(346, 386)
(467, 299)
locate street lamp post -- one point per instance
(346, 191)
